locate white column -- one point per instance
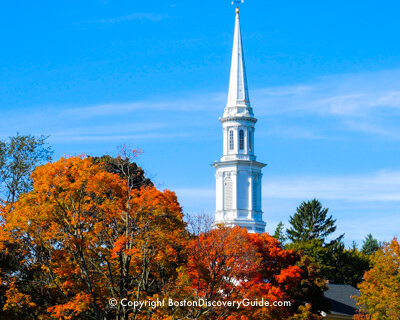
(226, 142)
(249, 187)
(219, 190)
(259, 192)
(236, 137)
(250, 192)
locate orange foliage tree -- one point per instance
(230, 265)
(87, 236)
(283, 275)
(380, 291)
(217, 263)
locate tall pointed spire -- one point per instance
(238, 97)
(239, 175)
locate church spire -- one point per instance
(238, 97)
(239, 177)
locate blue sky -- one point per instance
(324, 80)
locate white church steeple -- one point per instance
(238, 177)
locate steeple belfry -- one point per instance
(238, 177)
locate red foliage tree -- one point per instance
(228, 265)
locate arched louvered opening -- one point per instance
(231, 140)
(241, 139)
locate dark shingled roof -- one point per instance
(340, 297)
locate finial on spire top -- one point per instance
(237, 2)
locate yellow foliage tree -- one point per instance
(380, 290)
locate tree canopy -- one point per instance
(19, 156)
(125, 168)
(229, 264)
(85, 236)
(279, 233)
(370, 245)
(310, 228)
(310, 222)
(380, 291)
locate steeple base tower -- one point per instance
(238, 184)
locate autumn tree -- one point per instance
(305, 313)
(87, 235)
(284, 275)
(229, 264)
(218, 261)
(380, 291)
(362, 316)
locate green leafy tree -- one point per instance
(370, 245)
(310, 222)
(19, 156)
(316, 251)
(279, 233)
(337, 264)
(346, 266)
(310, 227)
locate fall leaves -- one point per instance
(90, 237)
(380, 292)
(84, 235)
